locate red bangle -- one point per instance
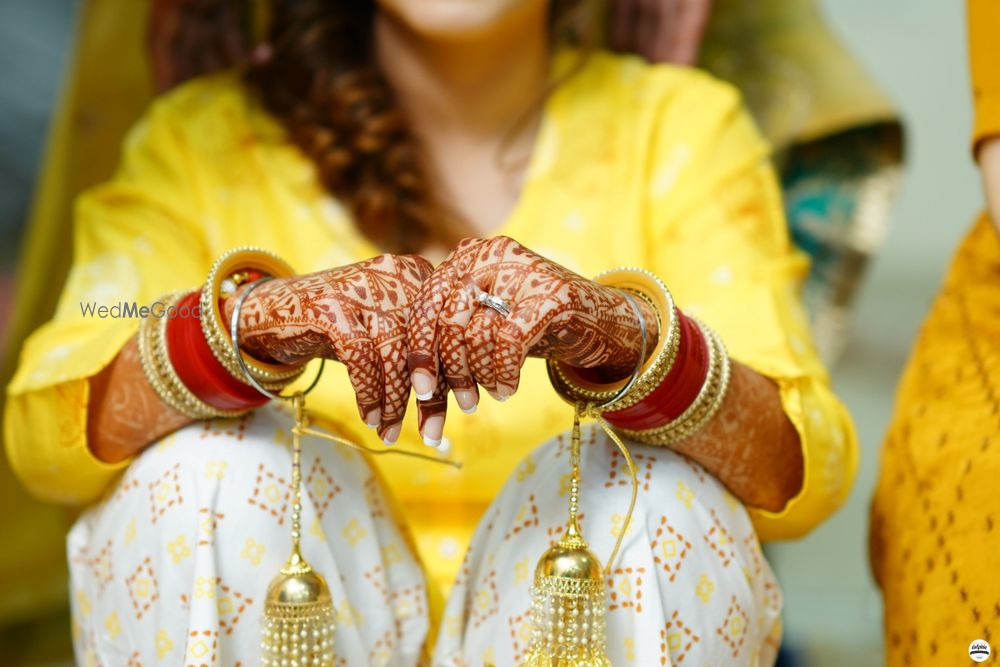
(679, 388)
(198, 368)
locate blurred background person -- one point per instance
(935, 523)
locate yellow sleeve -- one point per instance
(719, 238)
(135, 238)
(984, 63)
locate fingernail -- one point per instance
(392, 435)
(432, 430)
(501, 393)
(444, 446)
(423, 384)
(467, 400)
(374, 418)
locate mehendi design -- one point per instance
(124, 412)
(555, 314)
(355, 314)
(750, 444)
(368, 315)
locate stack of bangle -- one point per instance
(680, 386)
(244, 263)
(159, 368)
(187, 354)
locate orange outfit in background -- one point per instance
(936, 516)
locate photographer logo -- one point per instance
(979, 650)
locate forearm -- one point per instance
(124, 413)
(989, 165)
(750, 445)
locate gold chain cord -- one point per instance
(589, 410)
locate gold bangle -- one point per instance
(146, 331)
(155, 359)
(705, 405)
(573, 387)
(244, 258)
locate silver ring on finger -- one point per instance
(494, 302)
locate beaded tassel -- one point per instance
(298, 612)
(568, 604)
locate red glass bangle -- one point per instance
(679, 388)
(198, 368)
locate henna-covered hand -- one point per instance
(356, 314)
(455, 342)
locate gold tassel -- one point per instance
(299, 628)
(298, 624)
(567, 599)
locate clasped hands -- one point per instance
(396, 322)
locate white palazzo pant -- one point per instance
(171, 567)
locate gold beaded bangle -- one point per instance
(155, 359)
(705, 405)
(242, 259)
(147, 330)
(573, 387)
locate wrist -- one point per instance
(676, 391)
(623, 328)
(647, 323)
(264, 330)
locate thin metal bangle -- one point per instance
(642, 356)
(234, 330)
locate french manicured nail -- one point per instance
(432, 430)
(423, 384)
(444, 446)
(502, 393)
(467, 400)
(392, 435)
(374, 418)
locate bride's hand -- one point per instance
(454, 341)
(356, 314)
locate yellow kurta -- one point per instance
(935, 519)
(658, 167)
